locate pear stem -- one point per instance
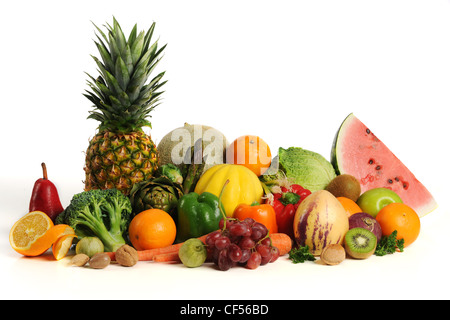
(44, 170)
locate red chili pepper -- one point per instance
(286, 204)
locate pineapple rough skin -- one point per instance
(119, 161)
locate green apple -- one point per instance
(373, 200)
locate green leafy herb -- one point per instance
(389, 244)
(301, 254)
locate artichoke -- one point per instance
(156, 193)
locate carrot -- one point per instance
(167, 257)
(149, 254)
(112, 255)
(282, 241)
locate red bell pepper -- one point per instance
(286, 204)
(262, 213)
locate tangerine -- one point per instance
(152, 228)
(400, 217)
(349, 205)
(250, 151)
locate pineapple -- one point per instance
(121, 153)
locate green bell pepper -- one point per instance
(197, 215)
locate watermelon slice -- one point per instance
(357, 151)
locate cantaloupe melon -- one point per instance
(173, 146)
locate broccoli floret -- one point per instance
(105, 214)
(60, 218)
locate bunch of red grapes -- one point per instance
(246, 243)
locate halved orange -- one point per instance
(62, 246)
(34, 233)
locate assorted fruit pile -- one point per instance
(195, 198)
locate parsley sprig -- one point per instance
(389, 244)
(301, 254)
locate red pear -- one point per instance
(45, 197)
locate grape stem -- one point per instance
(267, 236)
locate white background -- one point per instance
(288, 71)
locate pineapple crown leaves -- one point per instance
(122, 98)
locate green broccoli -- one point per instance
(105, 214)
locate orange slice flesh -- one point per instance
(34, 233)
(62, 246)
(28, 228)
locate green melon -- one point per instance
(358, 152)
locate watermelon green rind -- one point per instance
(357, 151)
(333, 157)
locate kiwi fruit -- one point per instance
(345, 185)
(360, 243)
(333, 254)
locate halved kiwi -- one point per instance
(360, 243)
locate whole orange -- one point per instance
(152, 228)
(251, 152)
(349, 205)
(400, 217)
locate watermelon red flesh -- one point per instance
(357, 151)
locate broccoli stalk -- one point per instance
(104, 214)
